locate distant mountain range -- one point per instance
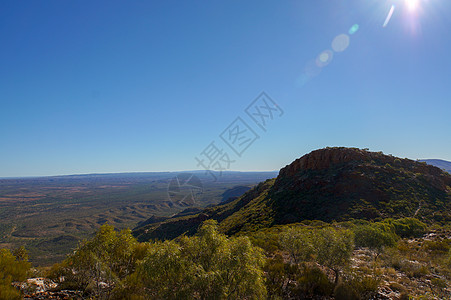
(327, 184)
(440, 163)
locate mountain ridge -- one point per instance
(330, 184)
(439, 163)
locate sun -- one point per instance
(412, 5)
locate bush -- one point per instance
(413, 269)
(280, 277)
(288, 281)
(358, 287)
(438, 247)
(404, 296)
(275, 276)
(374, 237)
(206, 266)
(344, 291)
(12, 268)
(394, 286)
(299, 243)
(100, 264)
(328, 246)
(334, 248)
(313, 282)
(408, 227)
(266, 239)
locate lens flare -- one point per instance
(324, 58)
(390, 14)
(412, 5)
(312, 69)
(354, 29)
(340, 43)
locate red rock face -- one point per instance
(331, 184)
(324, 159)
(336, 183)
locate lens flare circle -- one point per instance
(324, 58)
(312, 69)
(354, 29)
(340, 43)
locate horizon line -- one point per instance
(134, 172)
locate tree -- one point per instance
(12, 268)
(277, 276)
(229, 268)
(299, 243)
(101, 263)
(165, 273)
(206, 266)
(334, 248)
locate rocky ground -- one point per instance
(44, 288)
(414, 269)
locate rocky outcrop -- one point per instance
(44, 288)
(344, 183)
(331, 157)
(328, 184)
(324, 158)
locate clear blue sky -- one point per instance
(115, 86)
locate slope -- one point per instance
(328, 184)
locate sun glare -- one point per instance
(412, 5)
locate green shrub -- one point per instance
(394, 286)
(408, 227)
(287, 281)
(393, 259)
(206, 266)
(344, 291)
(412, 269)
(12, 268)
(374, 237)
(439, 283)
(109, 257)
(266, 239)
(328, 246)
(404, 296)
(298, 242)
(280, 277)
(368, 284)
(357, 287)
(334, 248)
(313, 282)
(276, 276)
(439, 247)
